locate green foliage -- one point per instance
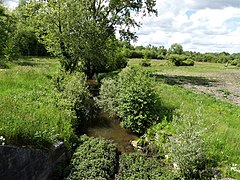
(102, 76)
(180, 60)
(235, 62)
(92, 43)
(155, 138)
(132, 97)
(93, 159)
(139, 166)
(7, 24)
(187, 148)
(175, 49)
(73, 95)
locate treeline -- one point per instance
(161, 53)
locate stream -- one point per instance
(105, 127)
(109, 128)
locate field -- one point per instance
(29, 115)
(214, 89)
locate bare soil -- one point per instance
(224, 85)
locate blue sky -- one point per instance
(199, 25)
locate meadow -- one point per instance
(30, 116)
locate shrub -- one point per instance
(188, 62)
(234, 62)
(108, 96)
(187, 149)
(132, 97)
(93, 159)
(136, 54)
(145, 63)
(180, 60)
(73, 94)
(139, 166)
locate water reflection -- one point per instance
(109, 128)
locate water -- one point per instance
(109, 128)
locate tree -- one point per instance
(6, 23)
(23, 40)
(176, 49)
(83, 32)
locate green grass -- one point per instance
(222, 118)
(199, 67)
(29, 115)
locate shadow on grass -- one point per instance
(27, 63)
(181, 80)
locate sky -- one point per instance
(198, 25)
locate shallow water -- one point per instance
(109, 128)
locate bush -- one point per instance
(180, 60)
(139, 166)
(132, 97)
(73, 94)
(234, 62)
(93, 159)
(136, 54)
(187, 149)
(145, 63)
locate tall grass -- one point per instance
(28, 112)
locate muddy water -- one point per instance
(105, 127)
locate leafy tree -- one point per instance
(176, 49)
(6, 26)
(83, 32)
(23, 40)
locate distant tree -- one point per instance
(23, 40)
(6, 26)
(176, 49)
(83, 32)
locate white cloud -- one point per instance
(198, 25)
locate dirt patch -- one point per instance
(223, 85)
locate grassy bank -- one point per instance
(29, 115)
(222, 118)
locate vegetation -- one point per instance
(139, 166)
(93, 159)
(90, 45)
(187, 148)
(180, 60)
(29, 115)
(131, 97)
(40, 104)
(176, 52)
(72, 95)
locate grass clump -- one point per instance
(94, 159)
